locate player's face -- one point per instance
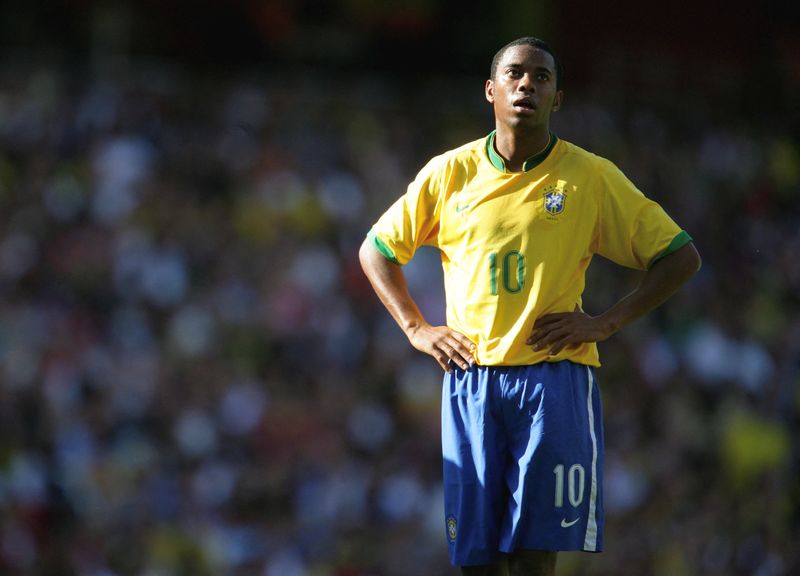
(523, 91)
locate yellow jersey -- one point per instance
(516, 245)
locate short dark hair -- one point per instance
(536, 43)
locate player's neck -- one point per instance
(516, 145)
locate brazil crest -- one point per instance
(554, 201)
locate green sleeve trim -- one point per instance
(382, 247)
(681, 240)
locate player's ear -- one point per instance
(559, 98)
(490, 91)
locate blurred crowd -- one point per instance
(196, 379)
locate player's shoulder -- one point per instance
(464, 155)
(586, 159)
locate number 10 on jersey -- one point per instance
(512, 270)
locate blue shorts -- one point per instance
(523, 459)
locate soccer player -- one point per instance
(517, 216)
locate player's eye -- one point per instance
(543, 77)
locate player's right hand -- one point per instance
(445, 345)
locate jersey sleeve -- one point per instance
(633, 230)
(413, 220)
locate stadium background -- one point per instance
(195, 378)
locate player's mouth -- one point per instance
(524, 104)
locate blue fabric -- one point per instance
(522, 448)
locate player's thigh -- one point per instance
(490, 570)
(474, 458)
(555, 475)
(532, 563)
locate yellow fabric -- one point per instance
(516, 246)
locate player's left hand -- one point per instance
(563, 329)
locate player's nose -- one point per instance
(525, 83)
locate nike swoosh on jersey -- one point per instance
(565, 524)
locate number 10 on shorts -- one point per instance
(576, 482)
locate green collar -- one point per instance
(529, 164)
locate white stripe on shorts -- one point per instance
(590, 541)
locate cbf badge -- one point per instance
(554, 201)
(452, 528)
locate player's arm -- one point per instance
(389, 282)
(660, 282)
